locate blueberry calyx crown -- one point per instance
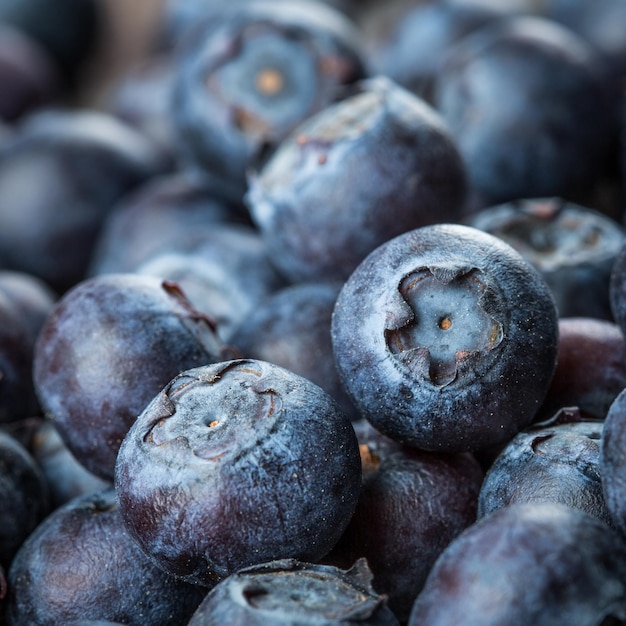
(448, 321)
(203, 425)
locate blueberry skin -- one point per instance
(248, 74)
(293, 593)
(181, 16)
(234, 464)
(591, 368)
(226, 272)
(109, 345)
(412, 505)
(542, 564)
(80, 563)
(574, 247)
(527, 102)
(553, 461)
(377, 164)
(291, 328)
(140, 97)
(160, 215)
(23, 494)
(613, 460)
(17, 395)
(83, 162)
(3, 589)
(420, 35)
(32, 297)
(446, 339)
(617, 289)
(598, 24)
(28, 76)
(65, 477)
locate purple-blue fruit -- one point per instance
(293, 593)
(541, 564)
(446, 339)
(234, 464)
(108, 347)
(80, 563)
(555, 461)
(377, 164)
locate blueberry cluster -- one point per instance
(313, 313)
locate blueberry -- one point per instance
(412, 505)
(418, 36)
(293, 593)
(162, 214)
(109, 345)
(82, 162)
(549, 462)
(23, 494)
(291, 328)
(574, 248)
(234, 464)
(31, 296)
(617, 289)
(446, 338)
(80, 563)
(598, 24)
(377, 164)
(590, 370)
(65, 477)
(527, 102)
(251, 73)
(613, 460)
(225, 272)
(541, 564)
(17, 395)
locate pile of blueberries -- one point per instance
(317, 318)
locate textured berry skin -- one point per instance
(419, 36)
(591, 368)
(613, 460)
(110, 344)
(17, 395)
(247, 75)
(617, 289)
(541, 564)
(377, 164)
(291, 328)
(556, 461)
(225, 273)
(446, 339)
(161, 215)
(234, 464)
(573, 247)
(23, 494)
(412, 505)
(292, 593)
(80, 563)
